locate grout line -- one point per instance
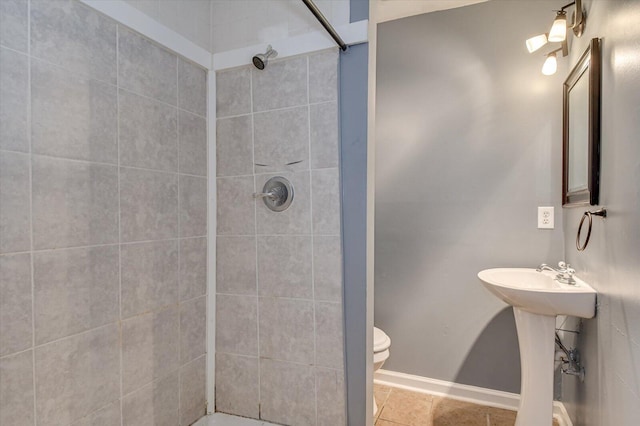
(176, 107)
(255, 239)
(11, 49)
(31, 236)
(120, 332)
(277, 172)
(313, 288)
(126, 243)
(301, 299)
(81, 333)
(117, 164)
(179, 233)
(277, 235)
(302, 364)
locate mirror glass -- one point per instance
(581, 130)
(579, 135)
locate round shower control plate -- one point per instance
(281, 194)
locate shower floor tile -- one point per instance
(399, 407)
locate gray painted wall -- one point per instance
(468, 145)
(610, 342)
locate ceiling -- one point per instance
(388, 10)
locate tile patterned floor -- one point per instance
(398, 407)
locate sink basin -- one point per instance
(539, 292)
(537, 298)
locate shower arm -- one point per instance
(323, 21)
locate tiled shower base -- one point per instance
(219, 419)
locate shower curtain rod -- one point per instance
(327, 26)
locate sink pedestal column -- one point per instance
(537, 349)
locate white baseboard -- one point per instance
(474, 394)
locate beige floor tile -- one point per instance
(381, 422)
(407, 408)
(499, 417)
(380, 393)
(398, 407)
(451, 412)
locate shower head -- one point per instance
(261, 59)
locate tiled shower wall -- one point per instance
(279, 327)
(102, 222)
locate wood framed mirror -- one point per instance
(581, 130)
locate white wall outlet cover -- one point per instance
(545, 218)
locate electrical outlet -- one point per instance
(545, 218)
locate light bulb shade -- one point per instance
(550, 65)
(535, 43)
(558, 31)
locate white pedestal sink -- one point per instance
(537, 298)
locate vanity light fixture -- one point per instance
(550, 65)
(536, 42)
(558, 34)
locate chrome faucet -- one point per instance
(564, 273)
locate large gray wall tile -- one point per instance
(329, 338)
(234, 145)
(13, 24)
(323, 76)
(149, 347)
(286, 329)
(149, 276)
(284, 267)
(233, 92)
(286, 393)
(72, 117)
(193, 388)
(192, 137)
(324, 135)
(146, 68)
(15, 303)
(330, 397)
(237, 385)
(78, 375)
(282, 137)
(148, 133)
(75, 36)
(193, 329)
(282, 84)
(235, 208)
(327, 268)
(149, 205)
(16, 390)
(325, 193)
(14, 86)
(236, 265)
(193, 206)
(74, 203)
(156, 404)
(75, 290)
(106, 416)
(297, 218)
(14, 202)
(237, 329)
(192, 87)
(193, 267)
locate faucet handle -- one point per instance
(562, 265)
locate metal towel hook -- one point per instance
(602, 212)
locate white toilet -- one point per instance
(381, 343)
